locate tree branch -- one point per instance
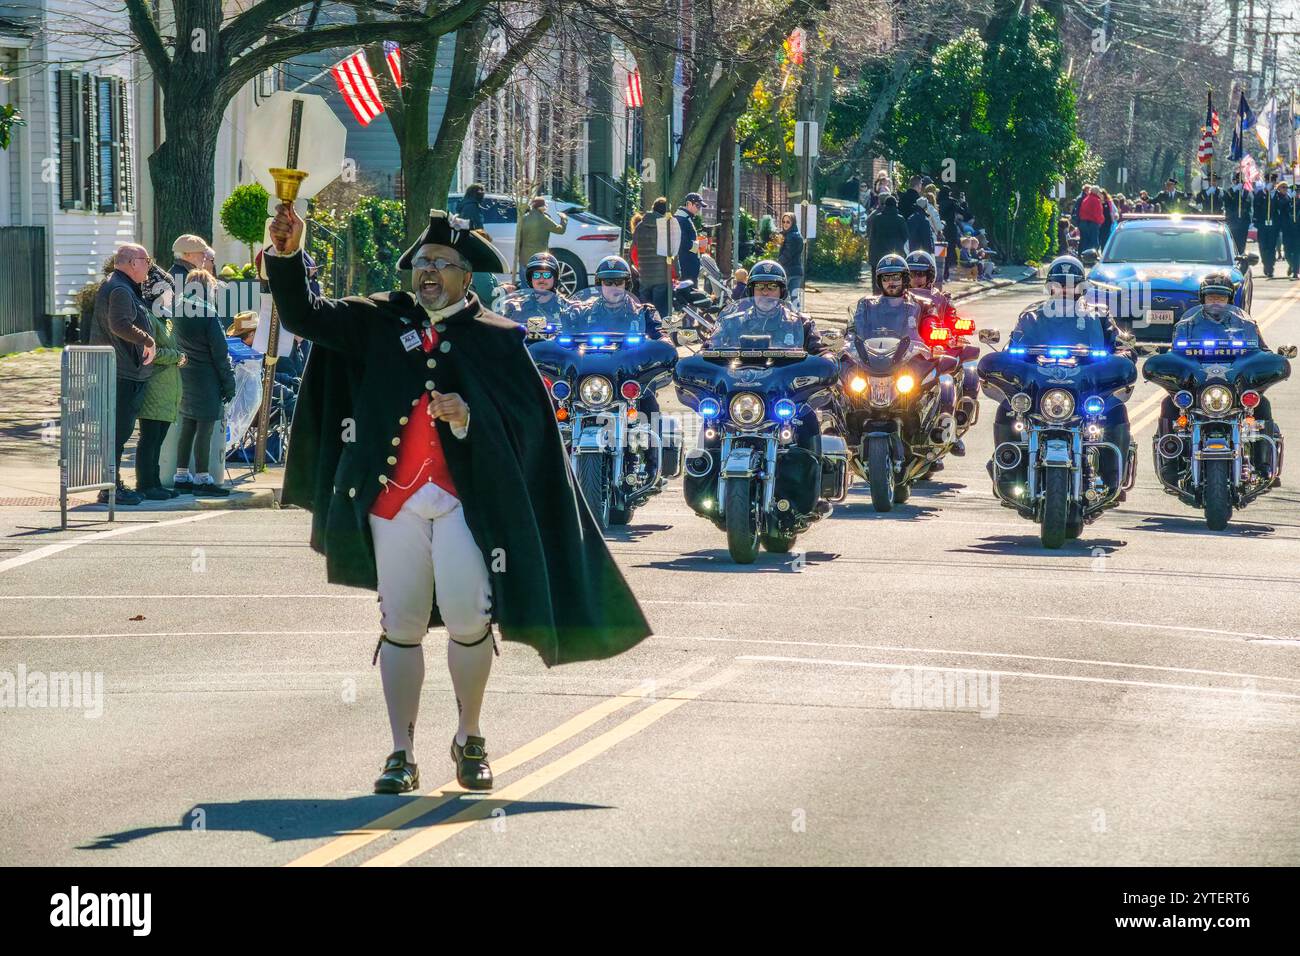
(146, 31)
(250, 26)
(518, 50)
(348, 34)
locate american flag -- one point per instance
(357, 84)
(393, 56)
(632, 97)
(1205, 153)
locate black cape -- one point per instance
(555, 585)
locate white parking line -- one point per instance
(1248, 635)
(1239, 691)
(10, 563)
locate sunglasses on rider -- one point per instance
(617, 282)
(543, 274)
(767, 287)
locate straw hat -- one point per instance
(244, 323)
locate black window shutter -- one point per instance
(90, 141)
(126, 164)
(71, 163)
(106, 149)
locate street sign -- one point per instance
(806, 213)
(806, 139)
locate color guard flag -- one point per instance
(632, 97)
(357, 84)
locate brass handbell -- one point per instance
(287, 182)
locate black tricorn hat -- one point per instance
(448, 230)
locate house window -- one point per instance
(96, 170)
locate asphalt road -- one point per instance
(1135, 697)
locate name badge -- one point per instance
(411, 340)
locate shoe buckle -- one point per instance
(474, 752)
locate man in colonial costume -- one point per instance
(425, 447)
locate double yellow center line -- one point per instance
(426, 838)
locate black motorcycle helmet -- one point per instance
(921, 262)
(767, 270)
(1217, 283)
(891, 265)
(542, 262)
(1067, 271)
(614, 267)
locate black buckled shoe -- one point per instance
(472, 770)
(398, 776)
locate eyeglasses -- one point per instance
(543, 274)
(767, 287)
(422, 263)
(148, 259)
(617, 282)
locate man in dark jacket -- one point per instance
(122, 321)
(886, 231)
(1170, 199)
(920, 233)
(473, 205)
(948, 210)
(652, 265)
(188, 253)
(1268, 224)
(907, 201)
(688, 257)
(1237, 210)
(426, 448)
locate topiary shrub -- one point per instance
(243, 215)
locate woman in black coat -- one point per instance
(207, 383)
(886, 231)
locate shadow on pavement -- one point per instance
(307, 819)
(1020, 544)
(634, 532)
(719, 560)
(862, 510)
(1191, 524)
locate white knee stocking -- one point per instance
(402, 671)
(469, 666)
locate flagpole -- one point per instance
(324, 72)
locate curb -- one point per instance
(238, 501)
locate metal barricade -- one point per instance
(88, 414)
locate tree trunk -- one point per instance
(183, 171)
(727, 238)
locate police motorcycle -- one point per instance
(1217, 446)
(762, 472)
(539, 306)
(603, 368)
(955, 341)
(1062, 451)
(897, 393)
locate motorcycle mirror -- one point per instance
(1250, 258)
(1088, 257)
(1287, 351)
(831, 335)
(990, 336)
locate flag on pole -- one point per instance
(357, 84)
(1266, 129)
(1205, 154)
(1249, 172)
(632, 96)
(1295, 133)
(1245, 119)
(393, 57)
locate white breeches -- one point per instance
(427, 542)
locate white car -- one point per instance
(587, 238)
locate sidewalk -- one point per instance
(29, 449)
(831, 301)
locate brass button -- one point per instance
(392, 460)
(432, 363)
(383, 479)
(441, 327)
(352, 492)
(414, 402)
(397, 441)
(429, 385)
(403, 420)
(444, 347)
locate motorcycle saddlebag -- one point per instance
(798, 479)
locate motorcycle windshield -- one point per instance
(592, 311)
(885, 317)
(522, 306)
(757, 325)
(1215, 332)
(1072, 327)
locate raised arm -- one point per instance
(327, 322)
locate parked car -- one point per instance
(587, 238)
(852, 214)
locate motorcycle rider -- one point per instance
(1065, 317)
(615, 309)
(541, 273)
(1216, 317)
(922, 268)
(766, 313)
(892, 312)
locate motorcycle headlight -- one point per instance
(746, 408)
(1020, 403)
(1216, 400)
(595, 391)
(1057, 404)
(905, 384)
